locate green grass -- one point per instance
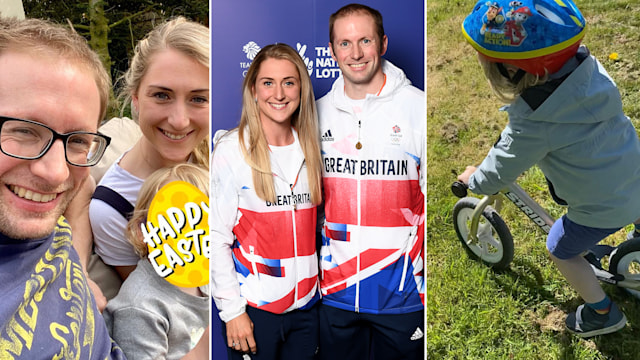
(474, 312)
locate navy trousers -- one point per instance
(289, 336)
(347, 335)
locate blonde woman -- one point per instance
(168, 86)
(266, 186)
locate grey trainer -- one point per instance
(586, 322)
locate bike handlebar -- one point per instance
(459, 189)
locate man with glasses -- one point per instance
(53, 94)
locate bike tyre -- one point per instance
(498, 244)
(625, 261)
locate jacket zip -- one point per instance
(412, 235)
(359, 215)
(295, 251)
(293, 220)
(253, 260)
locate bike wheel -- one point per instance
(494, 246)
(625, 260)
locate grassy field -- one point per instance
(474, 312)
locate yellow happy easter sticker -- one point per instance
(177, 234)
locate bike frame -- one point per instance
(542, 219)
(521, 200)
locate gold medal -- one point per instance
(358, 145)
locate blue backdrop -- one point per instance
(241, 27)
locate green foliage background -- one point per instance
(128, 22)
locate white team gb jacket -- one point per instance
(263, 253)
(373, 154)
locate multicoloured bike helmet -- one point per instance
(537, 36)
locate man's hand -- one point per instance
(240, 334)
(464, 177)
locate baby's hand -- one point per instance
(464, 177)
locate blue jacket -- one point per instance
(581, 140)
(48, 310)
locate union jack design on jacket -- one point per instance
(262, 253)
(374, 182)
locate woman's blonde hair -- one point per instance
(189, 38)
(505, 90)
(193, 174)
(304, 120)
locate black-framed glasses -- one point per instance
(30, 140)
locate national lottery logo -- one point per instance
(177, 234)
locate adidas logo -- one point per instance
(327, 136)
(417, 335)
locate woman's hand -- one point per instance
(101, 300)
(240, 334)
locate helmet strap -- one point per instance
(516, 77)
